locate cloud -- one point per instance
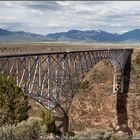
(55, 16)
(43, 5)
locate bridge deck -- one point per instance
(23, 54)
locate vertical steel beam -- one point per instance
(26, 90)
(58, 94)
(49, 79)
(29, 75)
(44, 76)
(81, 64)
(76, 70)
(17, 72)
(86, 61)
(39, 74)
(22, 76)
(35, 72)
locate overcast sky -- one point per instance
(55, 16)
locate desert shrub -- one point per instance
(48, 120)
(36, 124)
(108, 133)
(137, 59)
(101, 134)
(121, 135)
(30, 129)
(25, 130)
(136, 136)
(78, 137)
(7, 132)
(43, 131)
(97, 133)
(96, 136)
(13, 103)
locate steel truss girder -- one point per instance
(53, 78)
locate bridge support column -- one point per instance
(66, 124)
(62, 122)
(118, 82)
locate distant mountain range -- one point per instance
(94, 36)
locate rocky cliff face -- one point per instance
(95, 106)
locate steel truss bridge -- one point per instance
(52, 79)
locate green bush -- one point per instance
(121, 135)
(30, 129)
(43, 131)
(48, 120)
(7, 133)
(13, 103)
(25, 130)
(136, 136)
(79, 137)
(108, 133)
(36, 124)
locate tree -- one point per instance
(13, 102)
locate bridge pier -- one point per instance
(66, 125)
(62, 122)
